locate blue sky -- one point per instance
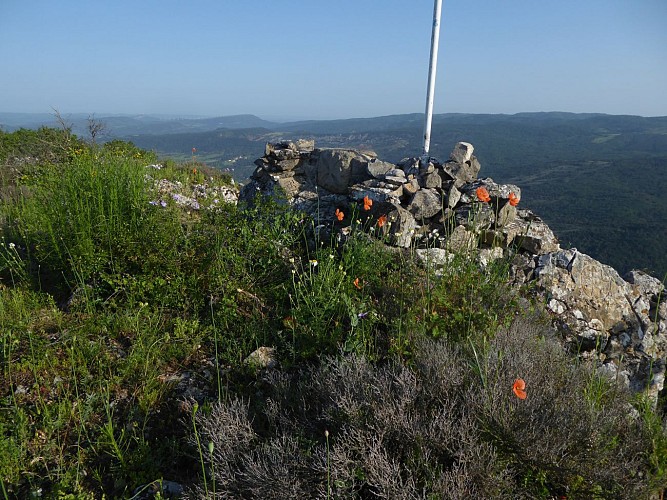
(294, 59)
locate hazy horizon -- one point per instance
(303, 60)
(277, 119)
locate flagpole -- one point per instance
(435, 37)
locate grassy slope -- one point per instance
(115, 311)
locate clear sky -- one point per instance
(293, 59)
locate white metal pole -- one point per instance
(433, 64)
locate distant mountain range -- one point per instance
(124, 125)
(600, 181)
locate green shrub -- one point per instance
(436, 430)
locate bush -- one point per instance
(447, 427)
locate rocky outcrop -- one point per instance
(207, 195)
(441, 209)
(417, 200)
(618, 321)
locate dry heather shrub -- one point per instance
(574, 433)
(448, 426)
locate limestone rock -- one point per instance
(403, 227)
(488, 255)
(411, 187)
(478, 216)
(462, 152)
(431, 181)
(594, 293)
(461, 240)
(379, 169)
(425, 203)
(645, 283)
(432, 258)
(337, 167)
(533, 234)
(453, 195)
(262, 358)
(460, 173)
(505, 215)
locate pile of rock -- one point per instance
(436, 208)
(419, 201)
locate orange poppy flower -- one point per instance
(339, 215)
(514, 199)
(519, 388)
(482, 194)
(356, 284)
(382, 220)
(368, 203)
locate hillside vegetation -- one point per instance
(598, 180)
(129, 313)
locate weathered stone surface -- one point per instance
(411, 187)
(505, 215)
(488, 255)
(533, 234)
(499, 193)
(379, 169)
(262, 358)
(282, 150)
(495, 238)
(403, 226)
(453, 196)
(432, 258)
(320, 205)
(394, 181)
(462, 152)
(460, 173)
(335, 169)
(461, 240)
(644, 283)
(396, 172)
(377, 191)
(425, 203)
(286, 165)
(595, 294)
(431, 181)
(477, 216)
(289, 185)
(305, 145)
(427, 168)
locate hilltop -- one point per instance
(159, 337)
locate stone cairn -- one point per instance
(436, 209)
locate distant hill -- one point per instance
(125, 125)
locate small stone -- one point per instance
(403, 226)
(556, 306)
(432, 258)
(489, 255)
(379, 169)
(453, 196)
(462, 152)
(261, 358)
(425, 203)
(461, 240)
(431, 181)
(645, 283)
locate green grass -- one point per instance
(116, 311)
